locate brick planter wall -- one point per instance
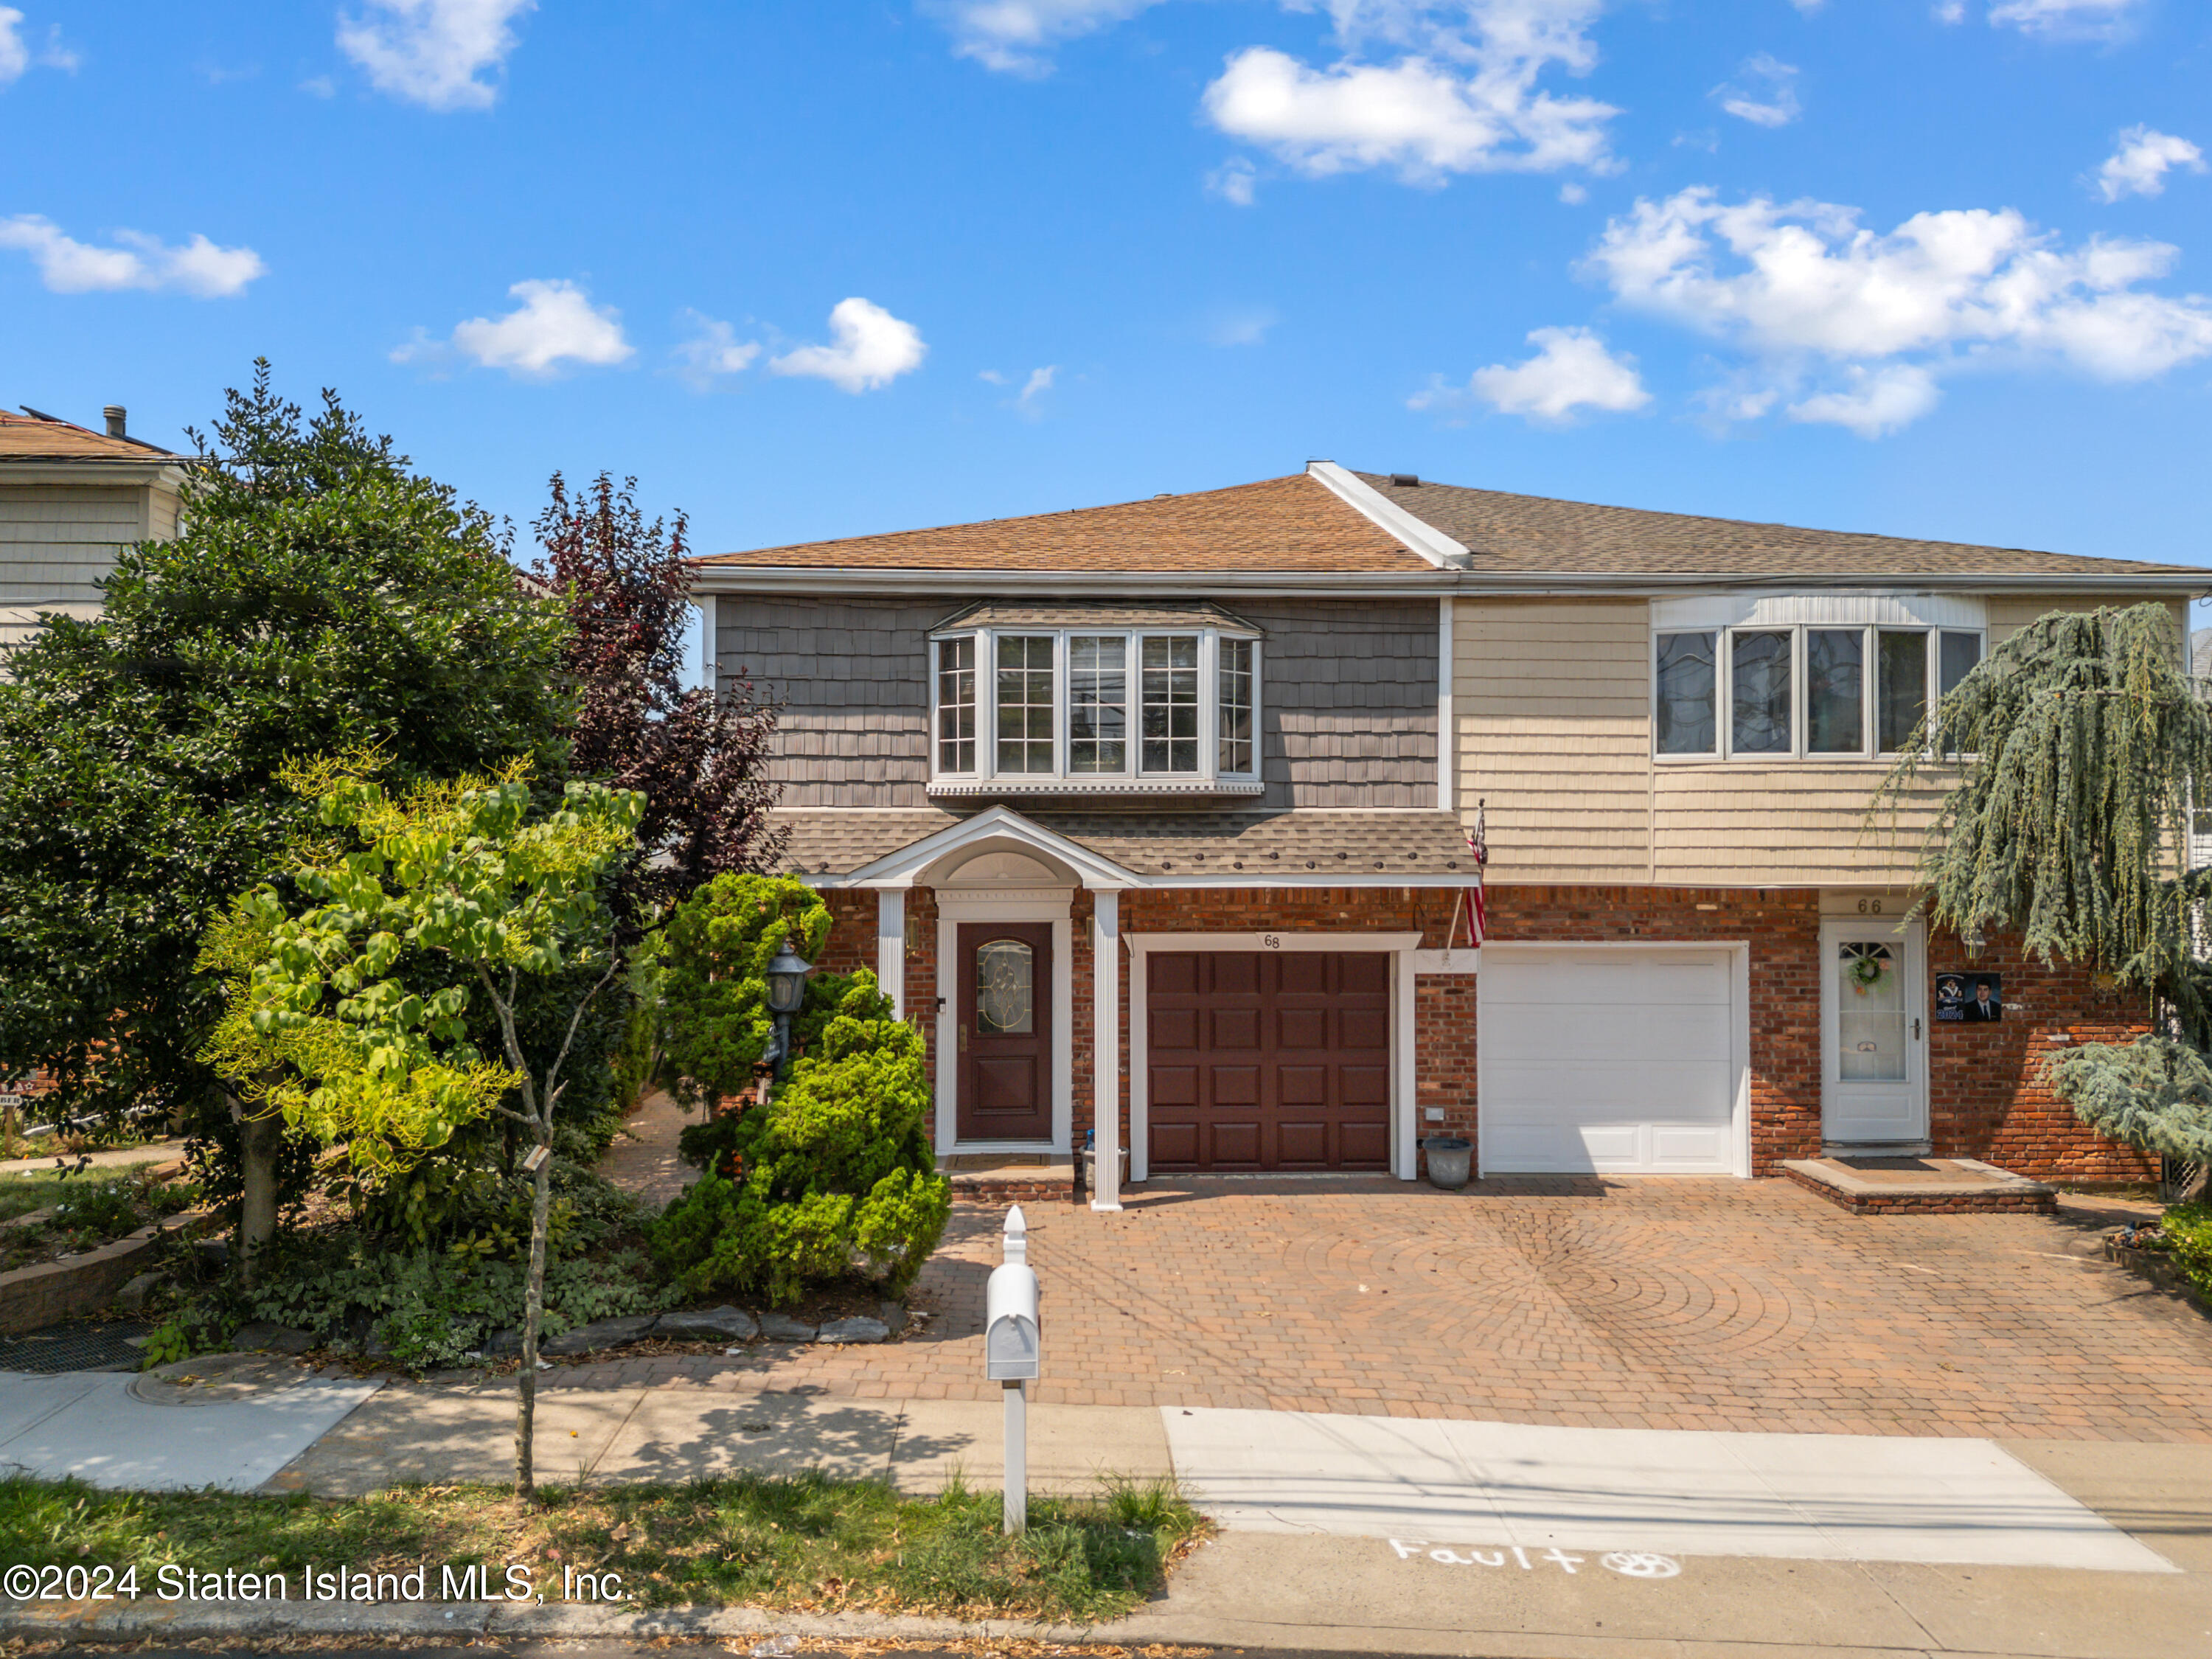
(56, 1290)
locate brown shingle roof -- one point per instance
(1279, 524)
(26, 438)
(1304, 847)
(1515, 533)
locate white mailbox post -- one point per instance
(1009, 1358)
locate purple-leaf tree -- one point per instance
(699, 757)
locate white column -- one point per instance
(1106, 1045)
(710, 647)
(1446, 738)
(1406, 1095)
(891, 946)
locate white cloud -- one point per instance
(1764, 92)
(1017, 36)
(1808, 7)
(1950, 11)
(1241, 325)
(66, 265)
(1571, 371)
(1233, 180)
(871, 349)
(17, 55)
(2095, 20)
(1875, 403)
(1027, 400)
(555, 324)
(712, 351)
(1811, 293)
(1462, 99)
(431, 52)
(2139, 166)
(1572, 194)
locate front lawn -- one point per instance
(809, 1542)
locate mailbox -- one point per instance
(1010, 1329)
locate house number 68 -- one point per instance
(1270, 941)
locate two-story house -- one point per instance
(1157, 816)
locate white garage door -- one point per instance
(1612, 1061)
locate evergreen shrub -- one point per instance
(835, 1176)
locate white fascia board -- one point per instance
(1015, 585)
(1000, 824)
(1536, 584)
(1423, 538)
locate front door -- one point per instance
(1873, 1033)
(1004, 1030)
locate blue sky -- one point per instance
(819, 269)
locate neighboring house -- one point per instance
(1163, 782)
(69, 497)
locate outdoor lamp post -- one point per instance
(786, 989)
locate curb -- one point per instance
(78, 1622)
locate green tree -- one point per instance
(468, 883)
(320, 594)
(714, 981)
(2076, 756)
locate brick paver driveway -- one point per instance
(1648, 1303)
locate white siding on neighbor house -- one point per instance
(58, 540)
(1553, 707)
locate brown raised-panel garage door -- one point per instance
(1268, 1060)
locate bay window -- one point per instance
(1805, 691)
(1076, 709)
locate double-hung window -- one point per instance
(1802, 691)
(1075, 708)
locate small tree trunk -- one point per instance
(533, 1308)
(261, 1139)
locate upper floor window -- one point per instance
(1803, 692)
(1134, 709)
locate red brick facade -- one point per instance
(1987, 1096)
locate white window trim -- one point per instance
(1208, 779)
(1052, 905)
(1724, 750)
(1403, 972)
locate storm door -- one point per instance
(1874, 1028)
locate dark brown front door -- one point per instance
(1005, 1030)
(1267, 1061)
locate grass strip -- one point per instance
(807, 1542)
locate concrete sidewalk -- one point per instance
(1348, 1533)
(610, 1437)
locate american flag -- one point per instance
(1471, 898)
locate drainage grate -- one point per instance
(83, 1346)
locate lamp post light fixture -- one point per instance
(786, 990)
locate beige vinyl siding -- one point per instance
(2009, 616)
(58, 540)
(1555, 735)
(1552, 706)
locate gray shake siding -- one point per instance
(1348, 696)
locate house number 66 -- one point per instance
(1869, 906)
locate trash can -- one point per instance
(1449, 1159)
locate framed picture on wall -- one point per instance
(1969, 999)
